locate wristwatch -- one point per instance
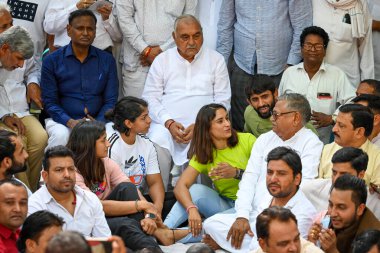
(150, 216)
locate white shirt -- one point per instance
(13, 88)
(306, 247)
(136, 160)
(208, 13)
(328, 79)
(318, 192)
(374, 7)
(57, 18)
(177, 89)
(253, 183)
(89, 218)
(376, 140)
(353, 56)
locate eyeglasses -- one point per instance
(276, 115)
(309, 46)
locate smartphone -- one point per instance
(326, 221)
(99, 244)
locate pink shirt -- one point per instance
(112, 178)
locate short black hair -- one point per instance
(68, 242)
(270, 214)
(355, 156)
(53, 152)
(356, 185)
(361, 116)
(366, 240)
(200, 248)
(315, 30)
(289, 156)
(7, 148)
(81, 13)
(375, 84)
(258, 84)
(12, 181)
(35, 224)
(372, 100)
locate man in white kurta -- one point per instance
(288, 130)
(324, 85)
(348, 23)
(218, 225)
(181, 81)
(374, 7)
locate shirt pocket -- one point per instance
(203, 85)
(344, 33)
(174, 7)
(325, 105)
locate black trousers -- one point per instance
(128, 227)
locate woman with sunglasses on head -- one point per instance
(218, 151)
(129, 215)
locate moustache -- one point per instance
(336, 135)
(191, 47)
(273, 184)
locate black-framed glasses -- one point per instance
(276, 115)
(317, 47)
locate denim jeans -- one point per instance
(208, 201)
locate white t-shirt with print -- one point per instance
(136, 160)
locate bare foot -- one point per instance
(210, 242)
(160, 224)
(168, 236)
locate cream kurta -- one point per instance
(353, 56)
(177, 89)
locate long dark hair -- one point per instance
(126, 108)
(82, 142)
(201, 145)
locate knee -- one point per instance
(198, 190)
(126, 187)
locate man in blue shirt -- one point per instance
(265, 38)
(78, 81)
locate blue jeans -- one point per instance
(208, 201)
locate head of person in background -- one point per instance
(314, 41)
(13, 210)
(199, 248)
(188, 36)
(82, 28)
(367, 242)
(290, 114)
(353, 125)
(6, 20)
(368, 86)
(261, 93)
(277, 231)
(12, 154)
(373, 103)
(68, 242)
(37, 231)
(349, 160)
(16, 46)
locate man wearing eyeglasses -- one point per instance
(323, 85)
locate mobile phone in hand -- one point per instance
(99, 244)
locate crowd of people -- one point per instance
(238, 125)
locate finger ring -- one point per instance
(199, 224)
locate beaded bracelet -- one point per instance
(189, 207)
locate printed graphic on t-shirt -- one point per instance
(98, 188)
(23, 10)
(135, 169)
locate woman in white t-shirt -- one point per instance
(135, 153)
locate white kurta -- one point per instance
(374, 7)
(353, 56)
(208, 14)
(177, 89)
(217, 226)
(305, 142)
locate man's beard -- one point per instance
(16, 168)
(267, 114)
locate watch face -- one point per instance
(150, 216)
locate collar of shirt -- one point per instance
(69, 52)
(7, 233)
(195, 57)
(47, 197)
(322, 67)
